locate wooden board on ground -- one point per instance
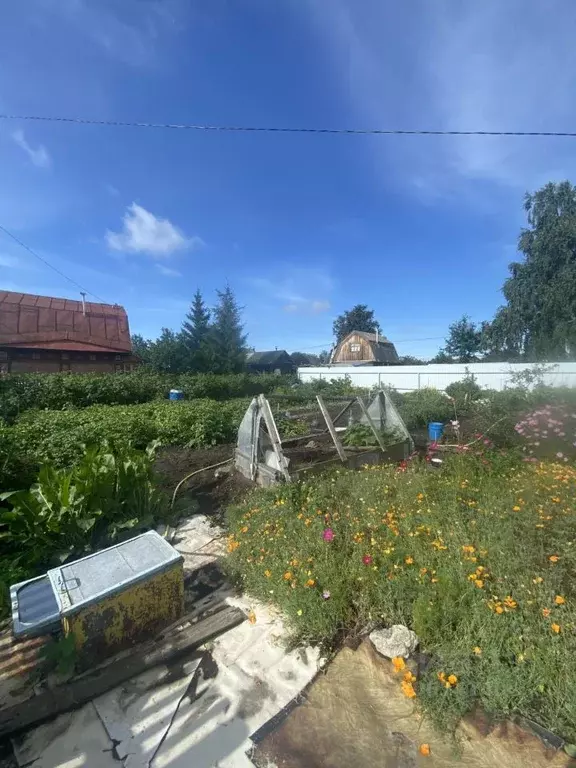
(170, 645)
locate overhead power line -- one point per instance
(47, 263)
(330, 344)
(282, 129)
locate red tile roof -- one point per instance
(44, 322)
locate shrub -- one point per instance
(464, 393)
(420, 407)
(21, 392)
(477, 558)
(59, 437)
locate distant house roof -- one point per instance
(268, 358)
(44, 322)
(382, 349)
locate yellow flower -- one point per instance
(267, 573)
(251, 617)
(244, 529)
(398, 663)
(299, 611)
(409, 560)
(509, 602)
(424, 750)
(516, 508)
(477, 650)
(442, 677)
(468, 548)
(499, 609)
(559, 600)
(408, 689)
(310, 583)
(479, 583)
(409, 677)
(452, 679)
(555, 628)
(288, 575)
(538, 580)
(553, 558)
(420, 496)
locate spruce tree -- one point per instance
(196, 335)
(228, 340)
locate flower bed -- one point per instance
(478, 559)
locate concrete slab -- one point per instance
(73, 740)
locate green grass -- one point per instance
(461, 555)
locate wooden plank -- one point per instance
(333, 435)
(377, 434)
(79, 690)
(274, 436)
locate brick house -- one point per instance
(43, 334)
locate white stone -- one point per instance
(396, 640)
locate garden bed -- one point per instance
(478, 558)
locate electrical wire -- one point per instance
(283, 129)
(47, 263)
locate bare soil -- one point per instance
(207, 492)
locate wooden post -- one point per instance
(274, 436)
(377, 434)
(331, 429)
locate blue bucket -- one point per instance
(176, 394)
(435, 431)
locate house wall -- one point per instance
(53, 361)
(406, 378)
(345, 354)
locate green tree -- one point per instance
(196, 335)
(463, 342)
(324, 357)
(168, 353)
(141, 347)
(410, 360)
(538, 321)
(359, 318)
(301, 358)
(227, 337)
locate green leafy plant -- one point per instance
(420, 407)
(108, 493)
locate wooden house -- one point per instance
(274, 361)
(361, 348)
(46, 335)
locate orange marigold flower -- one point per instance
(409, 560)
(408, 689)
(553, 558)
(479, 583)
(559, 600)
(288, 575)
(555, 628)
(546, 612)
(452, 679)
(244, 529)
(468, 548)
(442, 677)
(499, 609)
(516, 508)
(409, 677)
(424, 750)
(420, 496)
(509, 602)
(398, 663)
(310, 583)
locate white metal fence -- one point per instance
(405, 378)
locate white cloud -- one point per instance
(299, 287)
(143, 232)
(39, 156)
(168, 271)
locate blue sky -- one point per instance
(301, 226)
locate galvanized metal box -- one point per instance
(115, 598)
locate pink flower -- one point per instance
(367, 559)
(326, 594)
(328, 534)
